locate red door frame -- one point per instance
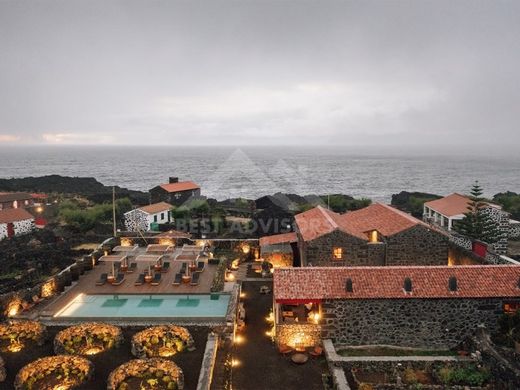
(10, 229)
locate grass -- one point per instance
(389, 351)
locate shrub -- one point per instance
(409, 376)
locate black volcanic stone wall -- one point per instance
(430, 323)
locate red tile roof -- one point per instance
(314, 283)
(12, 196)
(450, 205)
(180, 186)
(156, 208)
(14, 215)
(285, 238)
(387, 220)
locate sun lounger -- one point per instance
(156, 279)
(119, 279)
(183, 268)
(165, 267)
(132, 268)
(102, 279)
(117, 265)
(178, 279)
(200, 266)
(140, 280)
(195, 278)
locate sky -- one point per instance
(430, 74)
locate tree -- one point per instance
(477, 224)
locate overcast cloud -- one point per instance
(434, 73)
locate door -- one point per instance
(10, 229)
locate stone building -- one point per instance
(445, 212)
(14, 222)
(14, 200)
(148, 217)
(174, 192)
(375, 235)
(426, 307)
(279, 249)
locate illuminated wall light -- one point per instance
(235, 363)
(242, 295)
(239, 339)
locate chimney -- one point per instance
(174, 179)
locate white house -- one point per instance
(14, 222)
(142, 218)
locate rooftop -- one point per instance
(156, 208)
(316, 283)
(12, 196)
(179, 186)
(14, 215)
(452, 205)
(285, 238)
(387, 220)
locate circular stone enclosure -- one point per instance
(146, 374)
(89, 338)
(16, 335)
(54, 372)
(161, 341)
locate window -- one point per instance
(373, 236)
(162, 216)
(155, 218)
(337, 253)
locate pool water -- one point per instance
(146, 306)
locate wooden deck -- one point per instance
(87, 284)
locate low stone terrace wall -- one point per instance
(391, 365)
(208, 363)
(308, 335)
(15, 302)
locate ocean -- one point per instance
(225, 172)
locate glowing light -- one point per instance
(230, 277)
(270, 317)
(39, 209)
(242, 295)
(125, 241)
(316, 317)
(245, 249)
(239, 339)
(235, 363)
(93, 351)
(15, 347)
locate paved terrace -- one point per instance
(87, 282)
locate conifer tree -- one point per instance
(477, 224)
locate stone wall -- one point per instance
(423, 323)
(318, 252)
(290, 334)
(502, 220)
(136, 220)
(20, 227)
(514, 231)
(418, 245)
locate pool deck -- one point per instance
(87, 285)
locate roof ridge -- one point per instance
(325, 212)
(410, 217)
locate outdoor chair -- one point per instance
(165, 267)
(102, 279)
(156, 279)
(117, 265)
(178, 279)
(200, 266)
(119, 279)
(284, 349)
(132, 268)
(140, 280)
(195, 279)
(316, 351)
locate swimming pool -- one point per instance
(146, 306)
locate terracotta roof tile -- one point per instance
(450, 205)
(12, 196)
(14, 215)
(387, 220)
(387, 282)
(156, 208)
(284, 238)
(180, 186)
